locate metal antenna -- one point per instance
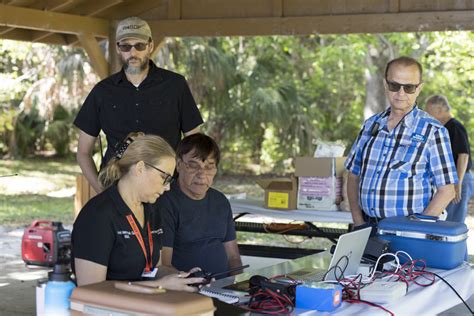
(8, 175)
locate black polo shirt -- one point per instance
(102, 234)
(162, 105)
(459, 140)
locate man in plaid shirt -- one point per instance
(401, 162)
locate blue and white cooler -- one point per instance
(441, 244)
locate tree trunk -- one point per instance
(12, 144)
(376, 60)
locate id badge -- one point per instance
(150, 274)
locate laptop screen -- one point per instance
(348, 253)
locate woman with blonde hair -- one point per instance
(117, 235)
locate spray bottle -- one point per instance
(58, 290)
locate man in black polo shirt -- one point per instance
(438, 107)
(139, 98)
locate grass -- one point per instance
(23, 209)
(33, 194)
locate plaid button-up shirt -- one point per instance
(399, 170)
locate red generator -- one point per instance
(45, 243)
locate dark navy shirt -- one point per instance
(161, 105)
(197, 229)
(102, 234)
(459, 141)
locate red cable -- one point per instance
(370, 304)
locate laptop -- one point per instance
(345, 260)
(347, 255)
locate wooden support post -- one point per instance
(96, 56)
(84, 192)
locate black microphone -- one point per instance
(375, 129)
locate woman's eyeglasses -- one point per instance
(125, 48)
(408, 88)
(168, 178)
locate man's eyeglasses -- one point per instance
(408, 88)
(194, 167)
(168, 178)
(128, 47)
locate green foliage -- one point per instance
(58, 131)
(37, 76)
(28, 130)
(58, 135)
(266, 99)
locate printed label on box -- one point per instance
(315, 186)
(278, 199)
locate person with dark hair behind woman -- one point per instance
(197, 219)
(117, 235)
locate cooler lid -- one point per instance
(423, 224)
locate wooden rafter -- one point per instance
(97, 7)
(174, 9)
(328, 24)
(89, 9)
(26, 35)
(54, 5)
(96, 56)
(52, 22)
(131, 8)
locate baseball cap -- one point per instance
(133, 27)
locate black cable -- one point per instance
(240, 215)
(456, 292)
(337, 267)
(323, 233)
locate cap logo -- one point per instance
(134, 27)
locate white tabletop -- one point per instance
(256, 207)
(429, 300)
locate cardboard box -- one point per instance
(280, 193)
(319, 182)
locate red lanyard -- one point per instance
(138, 234)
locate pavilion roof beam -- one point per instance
(42, 37)
(277, 8)
(327, 24)
(52, 22)
(26, 35)
(85, 28)
(127, 9)
(394, 6)
(20, 2)
(96, 56)
(95, 8)
(173, 13)
(54, 5)
(174, 9)
(89, 9)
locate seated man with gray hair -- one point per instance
(438, 107)
(198, 227)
